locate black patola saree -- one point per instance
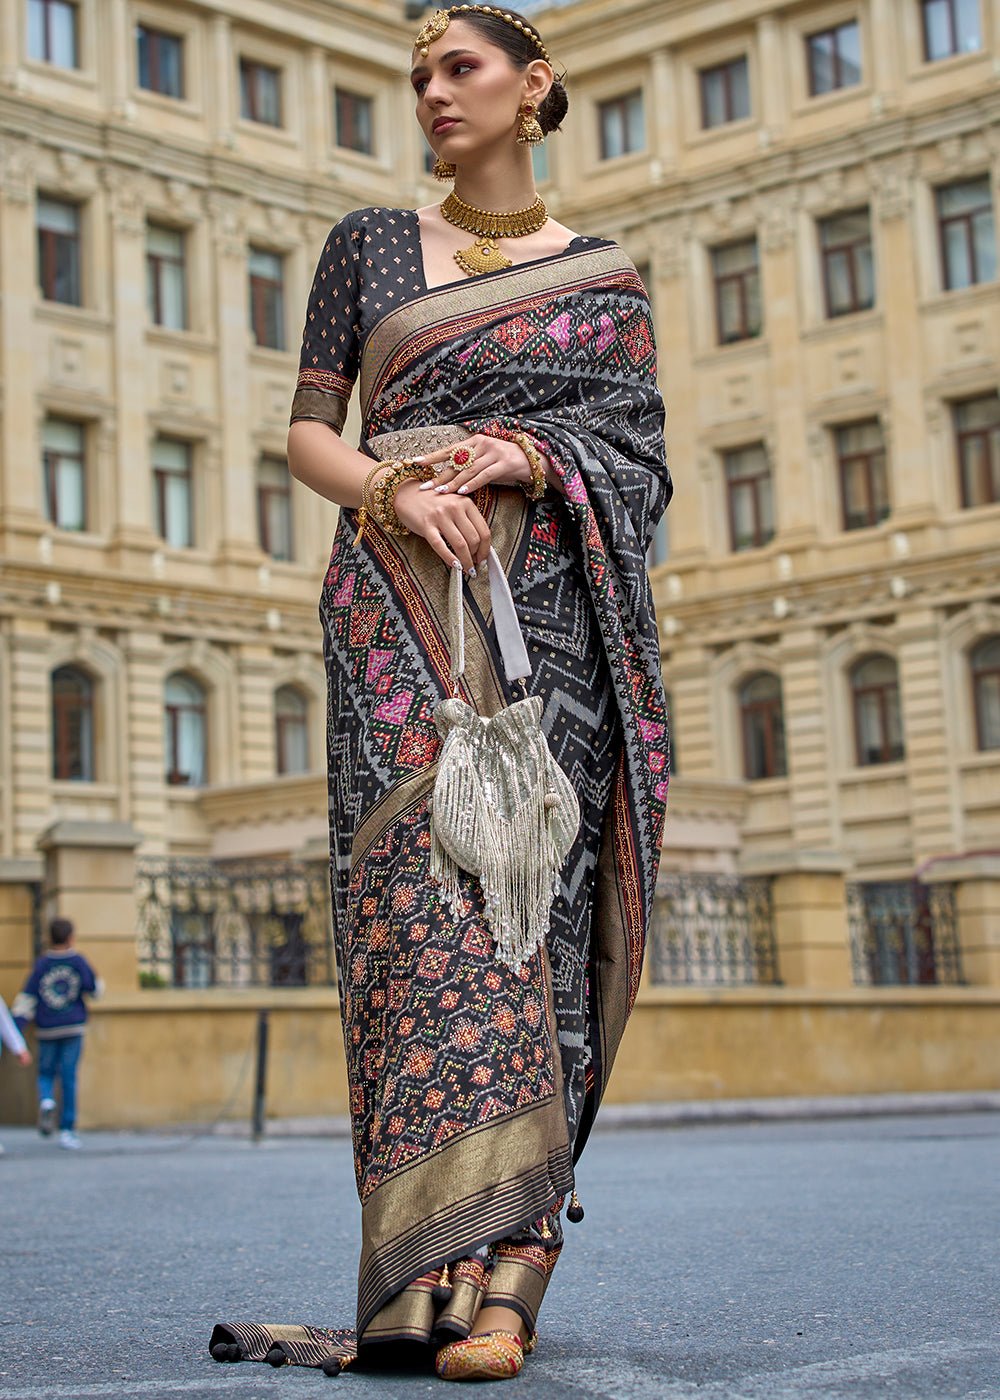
(473, 1087)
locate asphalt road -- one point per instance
(774, 1261)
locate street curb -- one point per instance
(616, 1117)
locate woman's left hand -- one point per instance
(496, 462)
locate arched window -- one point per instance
(184, 730)
(763, 725)
(291, 730)
(878, 722)
(985, 662)
(72, 725)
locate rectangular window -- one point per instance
(977, 438)
(834, 59)
(950, 27)
(267, 299)
(751, 500)
(864, 483)
(172, 495)
(353, 114)
(260, 93)
(845, 242)
(968, 238)
(59, 251)
(274, 508)
(64, 473)
(161, 61)
(52, 33)
(623, 125)
(725, 93)
(166, 279)
(737, 291)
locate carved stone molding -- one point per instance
(17, 170)
(229, 219)
(891, 181)
(670, 244)
(127, 194)
(775, 214)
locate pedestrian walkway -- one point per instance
(834, 1260)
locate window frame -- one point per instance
(742, 482)
(249, 69)
(739, 278)
(871, 459)
(605, 106)
(832, 31)
(153, 37)
(259, 287)
(954, 50)
(51, 457)
(47, 7)
(352, 97)
(724, 68)
(48, 242)
(772, 710)
(979, 675)
(885, 694)
(990, 434)
(161, 476)
(172, 712)
(282, 725)
(155, 262)
(62, 709)
(966, 217)
(849, 250)
(265, 492)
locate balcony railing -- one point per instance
(247, 923)
(903, 933)
(713, 930)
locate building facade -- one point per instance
(810, 192)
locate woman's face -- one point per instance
(468, 93)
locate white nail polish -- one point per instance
(455, 564)
(439, 489)
(463, 490)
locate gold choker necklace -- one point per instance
(484, 255)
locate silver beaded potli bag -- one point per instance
(502, 810)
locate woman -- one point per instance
(506, 372)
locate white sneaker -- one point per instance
(67, 1138)
(46, 1116)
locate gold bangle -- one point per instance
(384, 494)
(365, 509)
(536, 486)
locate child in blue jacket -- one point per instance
(53, 997)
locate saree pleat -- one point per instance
(472, 1086)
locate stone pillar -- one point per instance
(810, 917)
(813, 799)
(90, 879)
(29, 718)
(256, 698)
(935, 797)
(977, 911)
(17, 922)
(20, 456)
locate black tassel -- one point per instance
(441, 1292)
(574, 1211)
(276, 1356)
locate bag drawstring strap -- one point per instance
(511, 641)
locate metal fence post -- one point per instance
(260, 1088)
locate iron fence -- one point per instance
(714, 930)
(903, 933)
(246, 923)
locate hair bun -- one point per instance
(554, 108)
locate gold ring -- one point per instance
(461, 457)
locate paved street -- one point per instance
(759, 1262)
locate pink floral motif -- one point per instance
(559, 330)
(377, 662)
(345, 592)
(395, 710)
(607, 334)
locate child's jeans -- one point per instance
(59, 1059)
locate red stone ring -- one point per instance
(461, 457)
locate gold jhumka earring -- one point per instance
(444, 170)
(529, 132)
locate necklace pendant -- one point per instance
(483, 256)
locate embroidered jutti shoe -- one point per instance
(492, 1356)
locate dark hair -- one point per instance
(60, 932)
(521, 51)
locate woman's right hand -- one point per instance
(452, 525)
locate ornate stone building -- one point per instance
(810, 192)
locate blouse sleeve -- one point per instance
(328, 364)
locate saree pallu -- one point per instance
(473, 1087)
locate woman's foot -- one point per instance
(495, 1351)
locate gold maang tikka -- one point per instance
(440, 20)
